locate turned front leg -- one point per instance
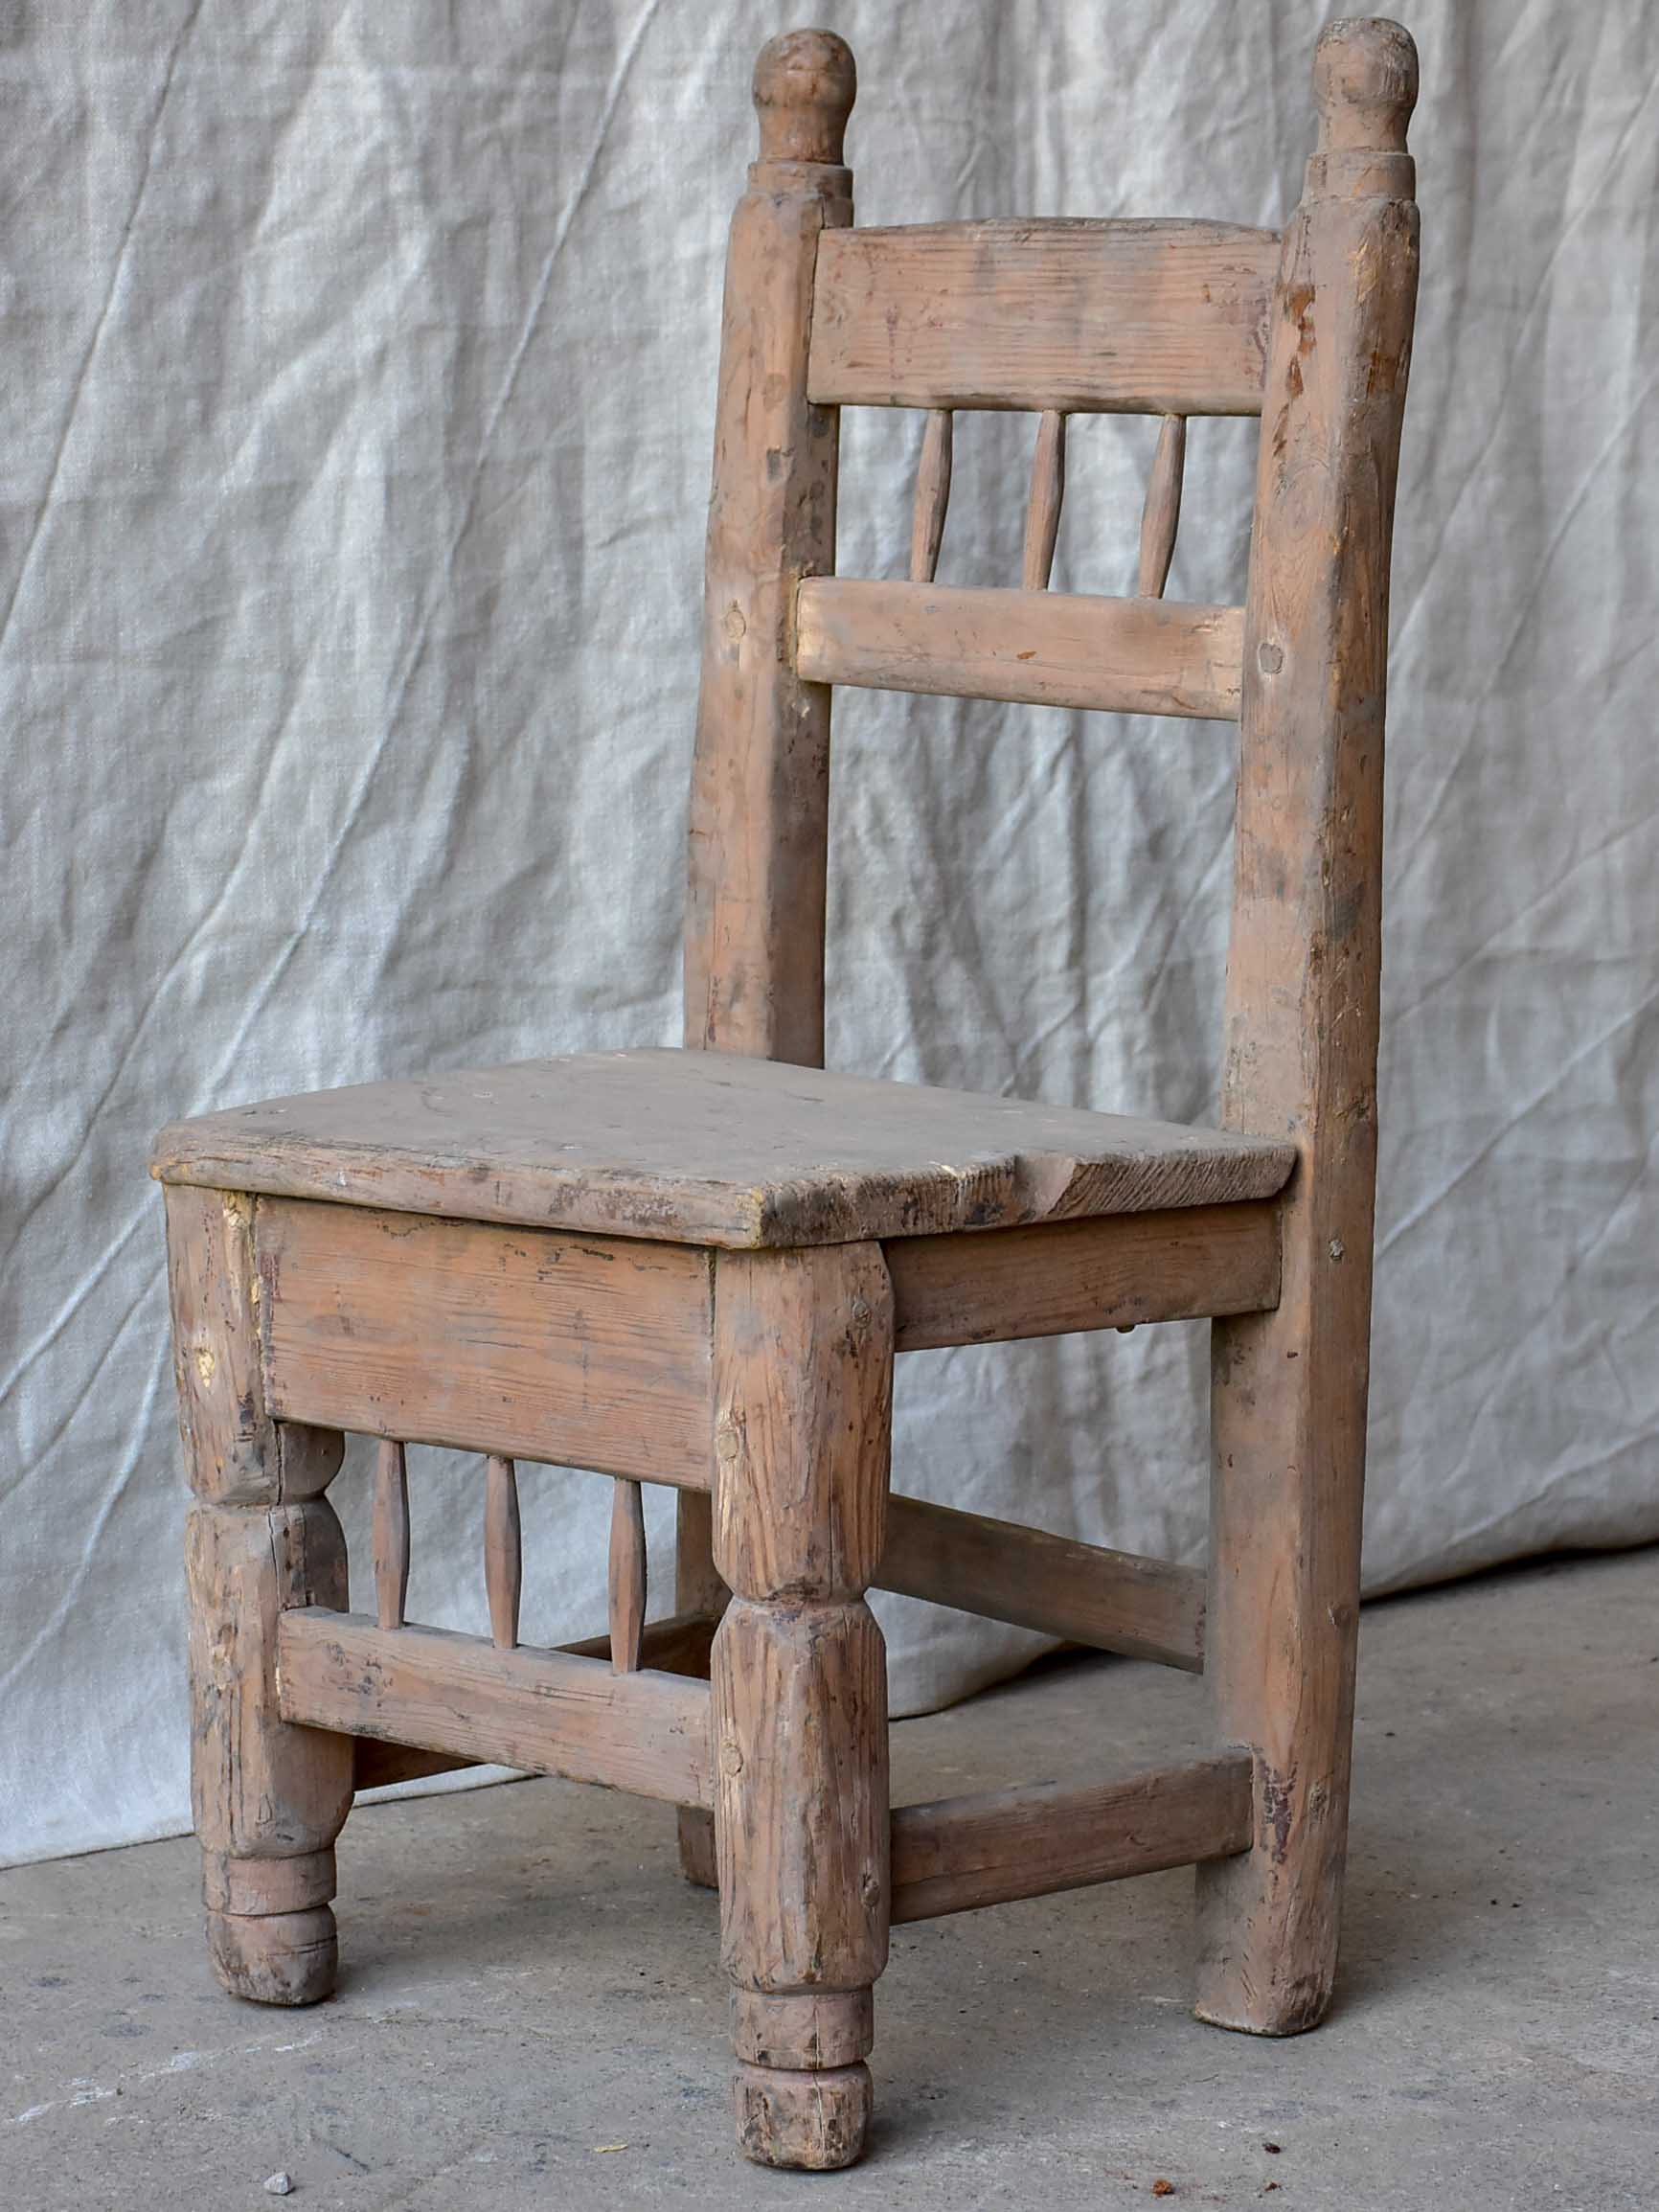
(803, 1368)
(268, 1799)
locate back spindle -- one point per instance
(1048, 488)
(1161, 515)
(627, 1577)
(389, 1534)
(932, 495)
(503, 1550)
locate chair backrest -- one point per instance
(1310, 330)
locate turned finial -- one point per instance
(1364, 86)
(805, 85)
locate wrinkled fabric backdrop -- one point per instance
(361, 368)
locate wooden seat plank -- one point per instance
(713, 1149)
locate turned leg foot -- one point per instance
(270, 1931)
(276, 1958)
(801, 2088)
(810, 2122)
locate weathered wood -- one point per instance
(709, 1148)
(1181, 1265)
(962, 1852)
(700, 1592)
(502, 1551)
(1165, 318)
(1112, 1601)
(801, 1416)
(389, 1534)
(268, 1800)
(803, 1378)
(543, 1712)
(236, 1454)
(676, 1646)
(523, 1342)
(1290, 1386)
(932, 496)
(1048, 491)
(1161, 515)
(552, 1310)
(757, 882)
(627, 1575)
(1126, 657)
(760, 780)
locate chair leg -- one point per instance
(269, 1799)
(802, 1347)
(1288, 1415)
(697, 1589)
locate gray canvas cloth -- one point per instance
(357, 432)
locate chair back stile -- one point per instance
(753, 954)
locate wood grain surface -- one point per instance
(1162, 317)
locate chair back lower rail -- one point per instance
(1036, 647)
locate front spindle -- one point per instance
(627, 1577)
(1048, 488)
(390, 1534)
(1162, 512)
(932, 495)
(503, 1550)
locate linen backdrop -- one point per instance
(360, 365)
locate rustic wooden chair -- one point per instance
(696, 1267)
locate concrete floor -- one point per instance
(532, 2013)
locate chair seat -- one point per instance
(708, 1148)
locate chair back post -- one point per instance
(1305, 950)
(760, 791)
(1302, 1007)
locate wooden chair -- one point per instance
(696, 1267)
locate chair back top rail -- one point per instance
(1071, 316)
